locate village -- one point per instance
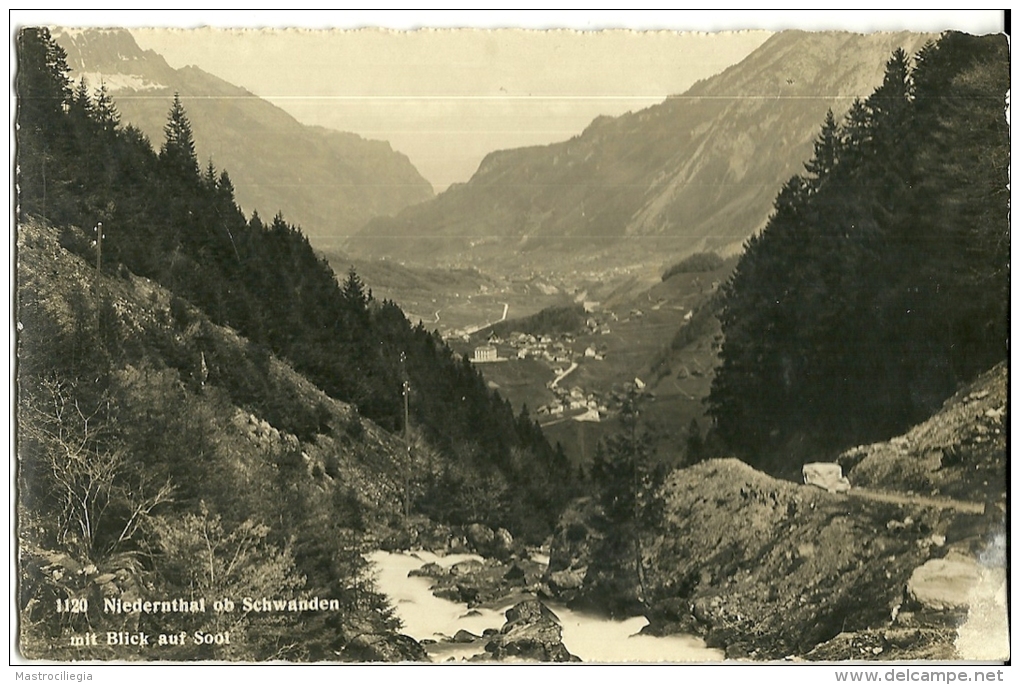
(564, 353)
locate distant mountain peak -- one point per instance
(328, 182)
(696, 172)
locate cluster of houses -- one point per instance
(543, 347)
(590, 406)
(593, 407)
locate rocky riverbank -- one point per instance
(473, 608)
(770, 569)
(531, 633)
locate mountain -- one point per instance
(698, 171)
(329, 182)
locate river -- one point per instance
(592, 638)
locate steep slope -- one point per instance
(698, 171)
(768, 569)
(166, 333)
(161, 455)
(956, 453)
(329, 182)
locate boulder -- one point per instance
(435, 537)
(826, 476)
(528, 612)
(464, 637)
(532, 632)
(480, 537)
(458, 545)
(467, 567)
(429, 570)
(944, 584)
(502, 544)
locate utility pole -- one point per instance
(407, 438)
(99, 267)
(99, 248)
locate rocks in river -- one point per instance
(467, 567)
(532, 633)
(889, 644)
(429, 570)
(477, 538)
(464, 637)
(498, 544)
(528, 611)
(477, 582)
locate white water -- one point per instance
(592, 638)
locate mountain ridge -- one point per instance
(329, 182)
(696, 172)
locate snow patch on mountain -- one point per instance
(116, 82)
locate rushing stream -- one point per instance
(590, 637)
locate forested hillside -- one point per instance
(160, 330)
(881, 281)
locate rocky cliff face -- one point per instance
(698, 171)
(328, 182)
(912, 566)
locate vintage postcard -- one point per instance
(515, 344)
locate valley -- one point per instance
(610, 331)
(725, 378)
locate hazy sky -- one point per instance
(446, 98)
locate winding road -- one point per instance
(563, 375)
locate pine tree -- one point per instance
(41, 82)
(827, 149)
(106, 115)
(209, 177)
(177, 153)
(225, 188)
(355, 299)
(628, 478)
(850, 316)
(81, 108)
(43, 93)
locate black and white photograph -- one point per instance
(512, 341)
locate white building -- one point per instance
(485, 353)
